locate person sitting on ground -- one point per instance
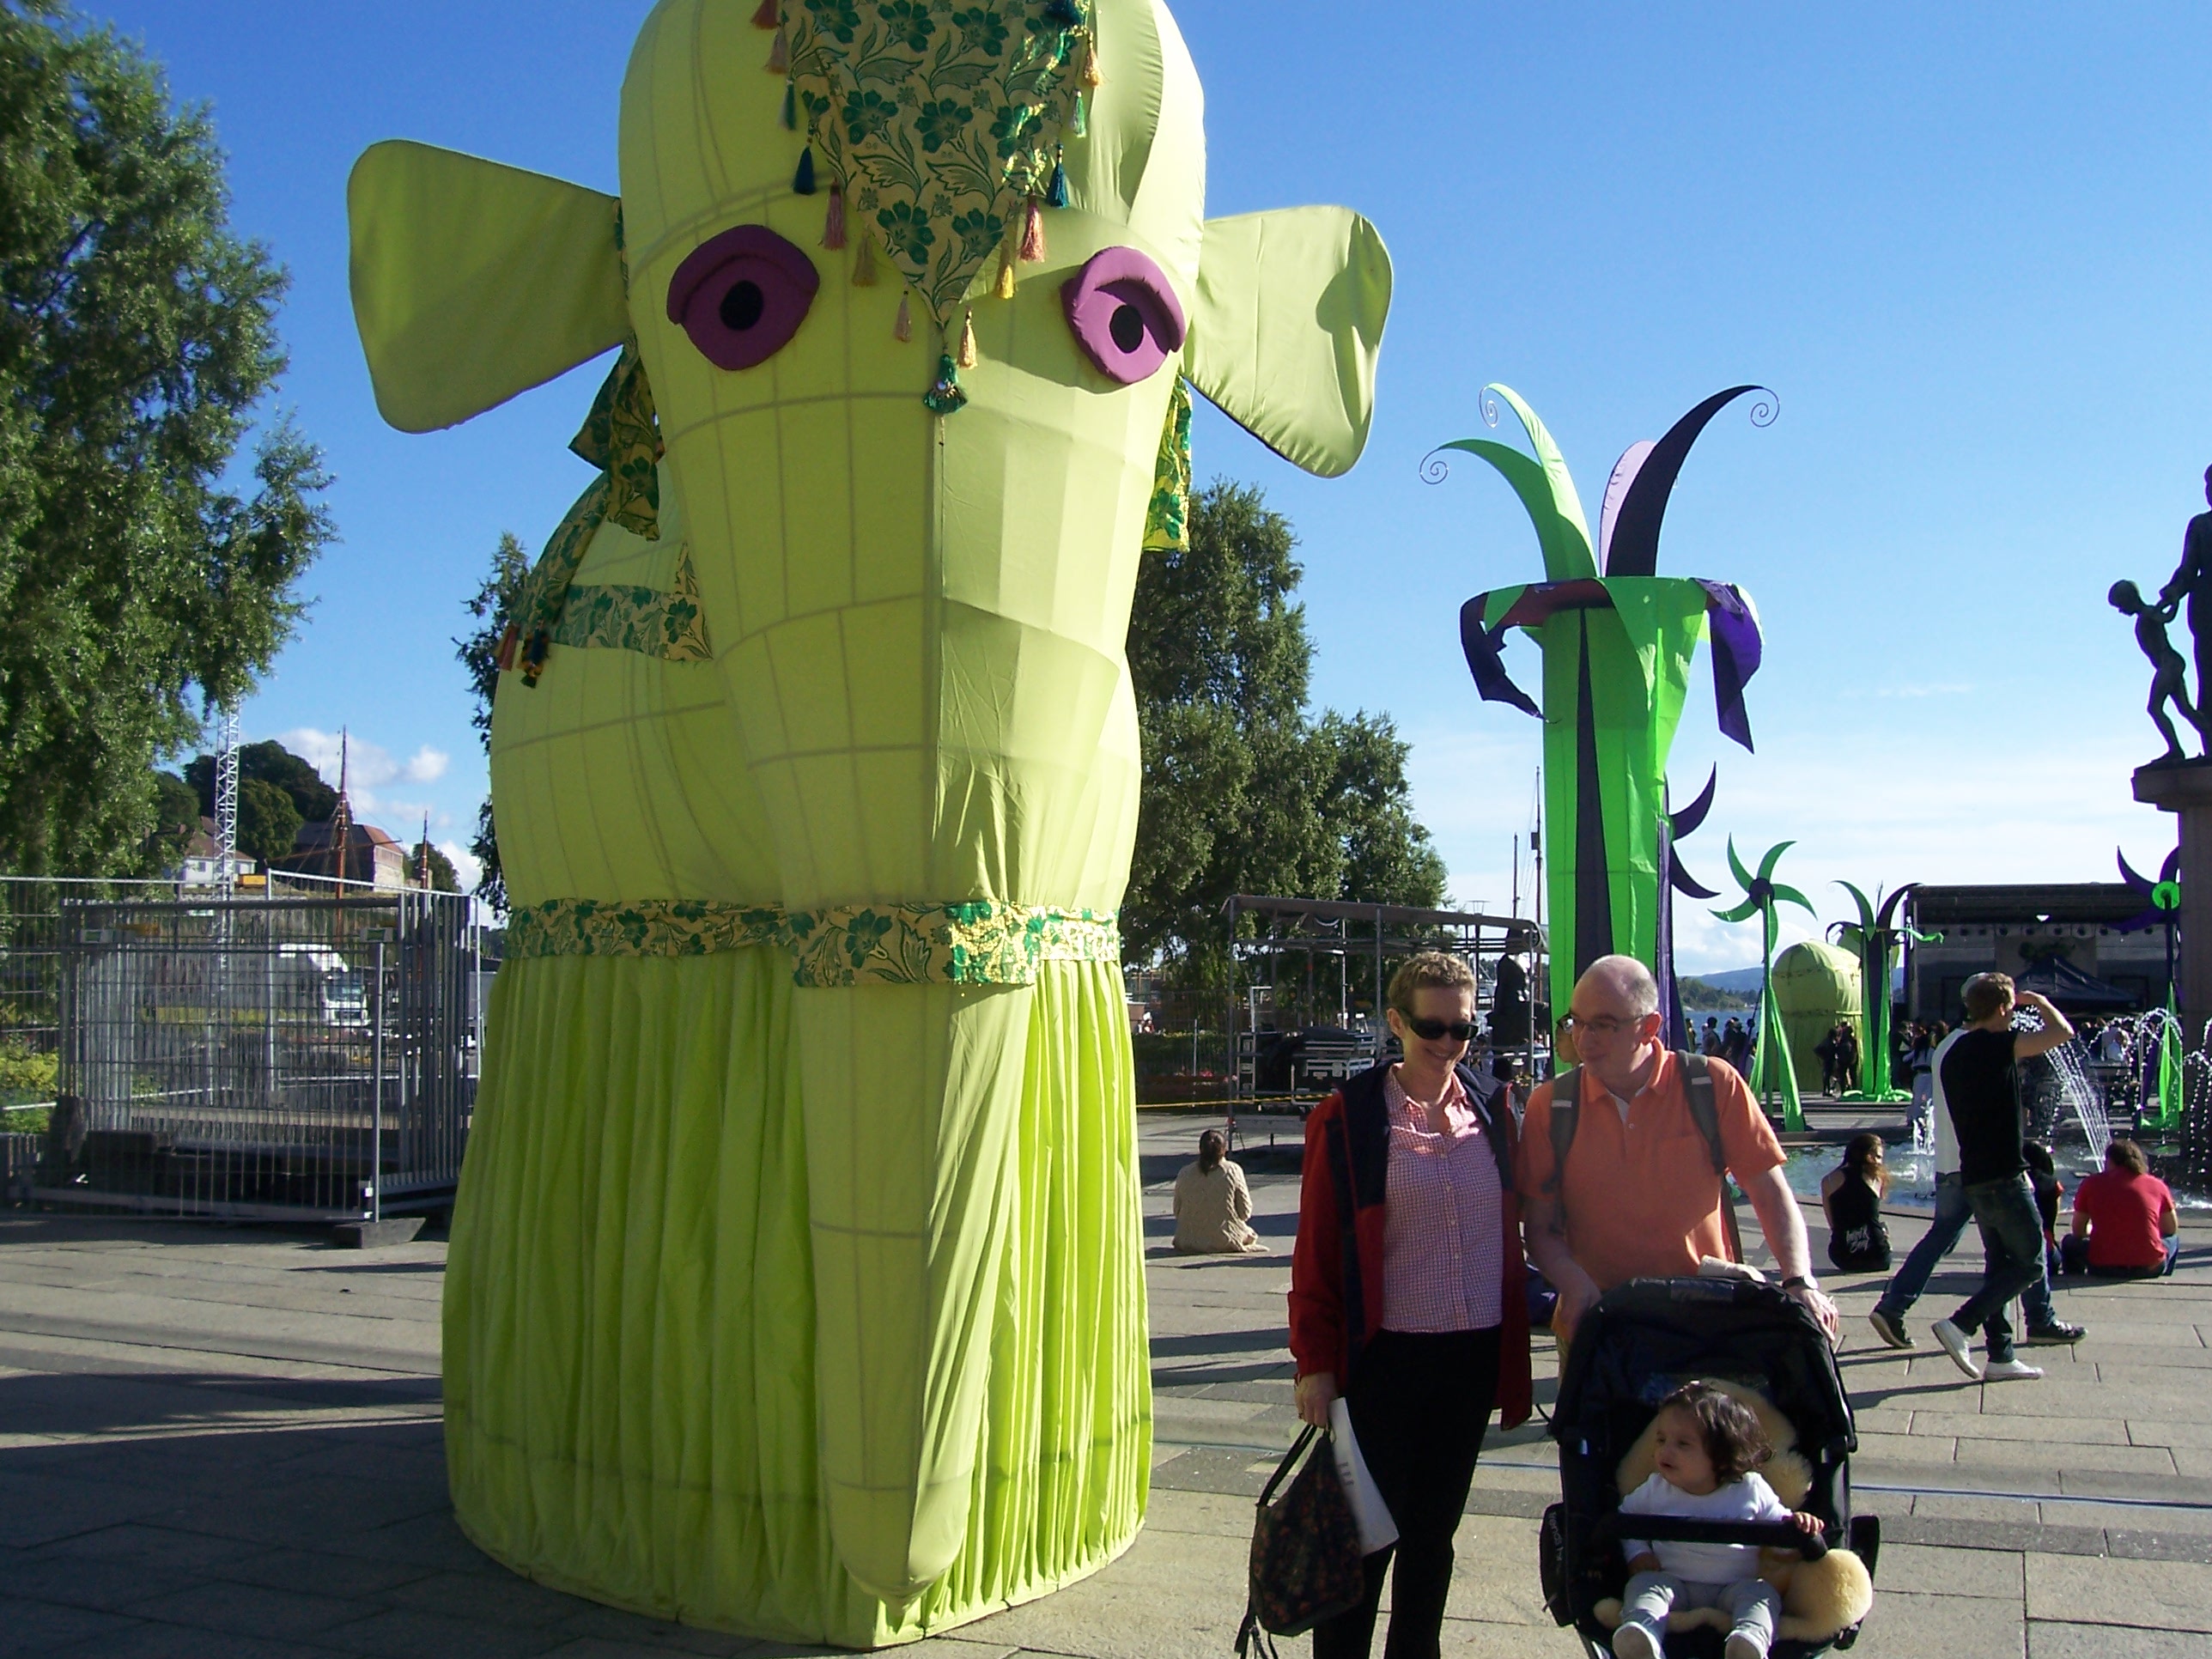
(1709, 1451)
(1638, 1196)
(1212, 1205)
(2050, 1194)
(2125, 1225)
(1981, 1089)
(1852, 1195)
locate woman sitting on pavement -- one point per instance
(2125, 1225)
(1414, 1303)
(1212, 1205)
(1852, 1195)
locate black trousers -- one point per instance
(1419, 1405)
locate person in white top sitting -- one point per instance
(1709, 1446)
(1212, 1205)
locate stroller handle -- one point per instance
(1770, 1534)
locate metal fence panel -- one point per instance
(298, 1055)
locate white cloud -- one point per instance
(467, 865)
(426, 765)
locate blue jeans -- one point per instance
(2075, 1254)
(1952, 1214)
(2012, 1258)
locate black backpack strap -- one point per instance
(1705, 1112)
(1566, 1113)
(1347, 1227)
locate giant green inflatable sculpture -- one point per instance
(1618, 641)
(796, 1281)
(1875, 938)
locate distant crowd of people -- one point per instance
(1734, 1042)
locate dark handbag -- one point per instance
(1306, 1562)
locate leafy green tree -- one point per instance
(478, 651)
(137, 335)
(444, 879)
(1243, 791)
(271, 762)
(176, 820)
(268, 821)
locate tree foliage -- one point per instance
(444, 879)
(136, 336)
(1243, 791)
(478, 651)
(268, 821)
(271, 762)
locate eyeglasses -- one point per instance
(1601, 1025)
(1459, 1030)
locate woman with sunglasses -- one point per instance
(1412, 1304)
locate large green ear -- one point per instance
(1291, 306)
(472, 281)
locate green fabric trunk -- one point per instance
(632, 1394)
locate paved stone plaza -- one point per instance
(221, 1441)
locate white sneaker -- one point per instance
(1743, 1646)
(1955, 1343)
(2009, 1371)
(1634, 1642)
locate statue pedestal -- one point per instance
(2185, 788)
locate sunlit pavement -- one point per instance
(223, 1441)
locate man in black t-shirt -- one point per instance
(1981, 1089)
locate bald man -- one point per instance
(1639, 1196)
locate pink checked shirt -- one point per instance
(1442, 1249)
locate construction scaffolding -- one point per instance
(1338, 946)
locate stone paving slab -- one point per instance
(226, 1442)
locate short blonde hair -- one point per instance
(1986, 994)
(1428, 970)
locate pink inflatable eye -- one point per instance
(1123, 314)
(742, 295)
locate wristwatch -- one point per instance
(1799, 1282)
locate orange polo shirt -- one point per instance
(1641, 1196)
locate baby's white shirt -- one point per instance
(1747, 1499)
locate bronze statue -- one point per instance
(2192, 578)
(2170, 673)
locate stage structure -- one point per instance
(1364, 940)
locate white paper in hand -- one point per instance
(1377, 1531)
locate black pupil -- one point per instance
(743, 305)
(1127, 325)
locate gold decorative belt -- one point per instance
(978, 942)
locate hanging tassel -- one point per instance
(945, 396)
(863, 267)
(779, 54)
(1077, 126)
(1057, 195)
(833, 223)
(1091, 77)
(765, 17)
(902, 325)
(507, 643)
(1033, 233)
(1003, 287)
(790, 106)
(966, 359)
(802, 182)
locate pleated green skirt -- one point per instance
(633, 1401)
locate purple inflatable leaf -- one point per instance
(1736, 654)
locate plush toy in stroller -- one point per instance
(1643, 1340)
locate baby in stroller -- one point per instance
(1707, 1448)
(1652, 1352)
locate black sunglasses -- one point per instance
(1459, 1030)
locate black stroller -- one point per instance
(1642, 1341)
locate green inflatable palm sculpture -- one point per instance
(1618, 641)
(797, 1277)
(1876, 939)
(1771, 1073)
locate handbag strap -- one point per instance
(1290, 1461)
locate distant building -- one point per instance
(370, 855)
(2006, 929)
(203, 859)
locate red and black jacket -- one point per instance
(1336, 1272)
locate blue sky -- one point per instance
(1968, 246)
